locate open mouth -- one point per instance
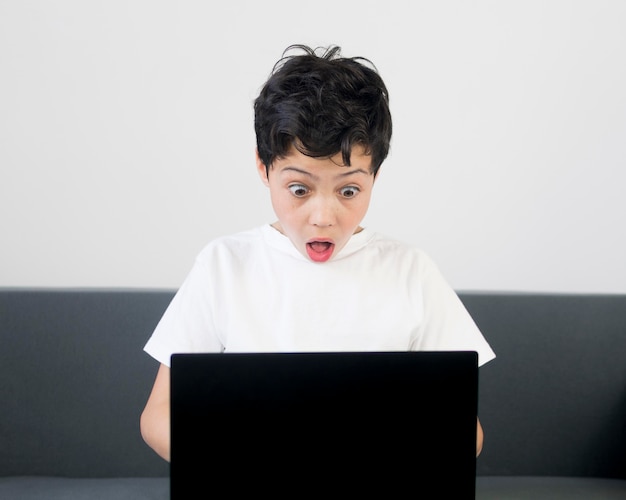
(320, 251)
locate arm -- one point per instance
(479, 437)
(155, 419)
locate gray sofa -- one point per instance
(74, 379)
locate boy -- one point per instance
(314, 280)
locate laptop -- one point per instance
(324, 424)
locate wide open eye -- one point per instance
(349, 191)
(298, 190)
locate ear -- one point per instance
(261, 169)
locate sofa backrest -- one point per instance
(553, 402)
(74, 379)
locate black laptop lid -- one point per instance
(293, 425)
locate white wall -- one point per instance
(126, 138)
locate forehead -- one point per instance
(295, 160)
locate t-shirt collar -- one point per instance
(282, 243)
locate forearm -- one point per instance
(479, 437)
(155, 428)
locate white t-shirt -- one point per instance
(254, 292)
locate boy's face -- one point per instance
(319, 202)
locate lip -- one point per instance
(320, 249)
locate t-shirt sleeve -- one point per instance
(186, 325)
(447, 325)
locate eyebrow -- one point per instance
(343, 174)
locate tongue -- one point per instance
(320, 246)
(319, 251)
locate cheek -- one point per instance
(360, 209)
(284, 206)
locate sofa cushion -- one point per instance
(59, 488)
(548, 488)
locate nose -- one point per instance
(323, 211)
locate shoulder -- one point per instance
(230, 251)
(389, 249)
(237, 243)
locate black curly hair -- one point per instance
(322, 104)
